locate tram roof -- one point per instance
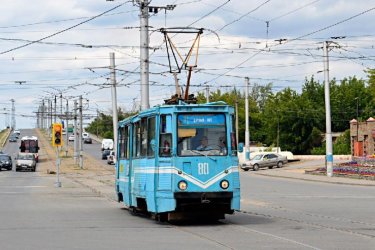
(219, 106)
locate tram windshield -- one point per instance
(201, 134)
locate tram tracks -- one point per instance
(315, 224)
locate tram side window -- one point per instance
(127, 137)
(151, 137)
(136, 139)
(233, 136)
(121, 139)
(143, 139)
(165, 140)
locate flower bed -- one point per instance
(359, 168)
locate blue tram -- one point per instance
(178, 160)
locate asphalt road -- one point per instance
(276, 214)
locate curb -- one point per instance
(315, 180)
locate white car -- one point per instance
(71, 138)
(265, 160)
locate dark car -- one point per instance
(87, 140)
(13, 138)
(105, 153)
(5, 162)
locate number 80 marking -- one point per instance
(203, 168)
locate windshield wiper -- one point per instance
(198, 152)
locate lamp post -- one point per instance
(357, 117)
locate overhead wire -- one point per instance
(64, 30)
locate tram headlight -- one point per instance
(182, 185)
(224, 184)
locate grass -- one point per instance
(3, 137)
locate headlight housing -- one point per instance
(224, 184)
(182, 185)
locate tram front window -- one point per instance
(201, 134)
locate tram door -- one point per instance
(124, 168)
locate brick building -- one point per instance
(362, 135)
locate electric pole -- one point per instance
(329, 152)
(80, 133)
(13, 115)
(114, 100)
(75, 145)
(145, 8)
(67, 128)
(144, 15)
(247, 133)
(207, 94)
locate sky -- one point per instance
(49, 48)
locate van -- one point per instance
(107, 144)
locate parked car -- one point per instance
(25, 161)
(105, 153)
(87, 140)
(111, 158)
(85, 135)
(265, 160)
(6, 162)
(107, 144)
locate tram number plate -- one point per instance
(203, 168)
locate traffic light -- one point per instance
(57, 135)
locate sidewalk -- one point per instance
(292, 171)
(100, 179)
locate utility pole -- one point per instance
(207, 94)
(114, 100)
(50, 118)
(67, 128)
(55, 110)
(247, 133)
(236, 120)
(80, 133)
(329, 152)
(13, 114)
(144, 38)
(145, 8)
(75, 147)
(43, 109)
(61, 108)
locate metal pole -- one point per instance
(329, 153)
(80, 133)
(67, 128)
(278, 131)
(50, 118)
(114, 101)
(75, 147)
(236, 121)
(58, 160)
(144, 54)
(207, 94)
(55, 111)
(61, 112)
(247, 133)
(43, 109)
(357, 119)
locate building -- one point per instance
(362, 136)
